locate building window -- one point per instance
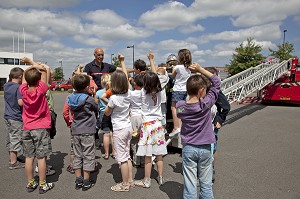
(1, 60)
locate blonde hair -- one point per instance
(105, 81)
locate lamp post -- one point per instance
(62, 70)
(132, 54)
(283, 44)
(111, 58)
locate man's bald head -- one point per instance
(99, 55)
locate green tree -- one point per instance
(58, 74)
(115, 61)
(284, 51)
(246, 56)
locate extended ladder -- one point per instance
(239, 86)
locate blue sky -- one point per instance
(69, 30)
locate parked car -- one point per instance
(54, 85)
(65, 85)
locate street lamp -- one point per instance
(284, 37)
(111, 58)
(62, 70)
(132, 54)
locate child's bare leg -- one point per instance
(129, 171)
(13, 157)
(112, 144)
(148, 166)
(29, 168)
(176, 121)
(160, 165)
(106, 138)
(124, 172)
(42, 168)
(86, 175)
(77, 172)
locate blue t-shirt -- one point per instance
(101, 103)
(12, 94)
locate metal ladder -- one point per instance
(241, 85)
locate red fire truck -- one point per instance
(286, 88)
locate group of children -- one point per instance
(134, 114)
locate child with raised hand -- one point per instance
(152, 135)
(36, 124)
(180, 74)
(197, 139)
(13, 117)
(118, 107)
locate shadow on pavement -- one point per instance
(116, 172)
(56, 160)
(173, 189)
(243, 111)
(177, 168)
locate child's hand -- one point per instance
(121, 57)
(80, 66)
(195, 67)
(150, 55)
(26, 60)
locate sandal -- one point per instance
(132, 184)
(120, 187)
(112, 156)
(145, 183)
(105, 157)
(70, 169)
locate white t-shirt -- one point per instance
(164, 79)
(120, 104)
(151, 106)
(182, 75)
(136, 103)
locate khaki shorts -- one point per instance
(84, 151)
(37, 143)
(14, 135)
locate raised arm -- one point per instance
(41, 68)
(151, 60)
(122, 62)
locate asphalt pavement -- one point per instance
(258, 157)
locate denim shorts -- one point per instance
(178, 96)
(37, 143)
(14, 135)
(106, 125)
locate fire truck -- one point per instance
(286, 88)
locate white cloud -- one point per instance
(265, 32)
(167, 16)
(38, 4)
(191, 28)
(100, 17)
(171, 44)
(173, 14)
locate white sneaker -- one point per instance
(175, 132)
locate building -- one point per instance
(9, 60)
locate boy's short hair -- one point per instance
(105, 81)
(32, 76)
(213, 70)
(15, 73)
(194, 83)
(140, 65)
(138, 80)
(80, 82)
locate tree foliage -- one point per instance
(58, 74)
(116, 62)
(284, 51)
(246, 56)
